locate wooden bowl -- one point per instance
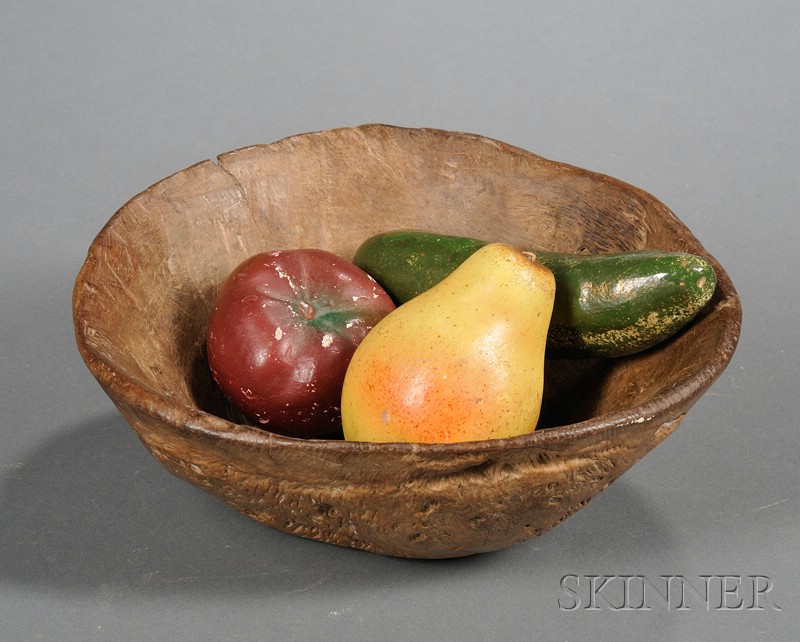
(142, 298)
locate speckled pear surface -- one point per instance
(461, 362)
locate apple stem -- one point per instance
(306, 310)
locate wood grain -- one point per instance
(142, 298)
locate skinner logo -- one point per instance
(667, 592)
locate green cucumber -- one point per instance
(607, 305)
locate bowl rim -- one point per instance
(667, 404)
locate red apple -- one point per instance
(281, 334)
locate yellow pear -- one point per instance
(463, 361)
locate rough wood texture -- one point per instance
(143, 295)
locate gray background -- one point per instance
(696, 102)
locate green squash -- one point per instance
(607, 305)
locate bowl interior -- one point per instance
(152, 273)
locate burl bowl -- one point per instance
(142, 299)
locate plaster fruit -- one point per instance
(607, 305)
(462, 361)
(281, 333)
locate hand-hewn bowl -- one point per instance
(141, 301)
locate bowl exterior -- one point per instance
(404, 503)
